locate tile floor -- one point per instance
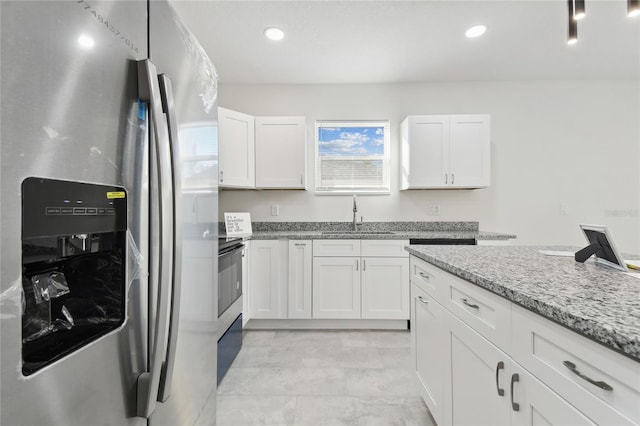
(309, 378)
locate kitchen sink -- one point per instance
(358, 232)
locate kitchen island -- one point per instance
(521, 334)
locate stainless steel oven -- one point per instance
(230, 253)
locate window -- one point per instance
(352, 157)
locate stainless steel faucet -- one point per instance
(355, 210)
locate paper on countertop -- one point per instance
(238, 224)
(557, 253)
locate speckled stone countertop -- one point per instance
(371, 230)
(597, 302)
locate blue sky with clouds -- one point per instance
(350, 141)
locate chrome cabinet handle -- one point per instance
(423, 300)
(453, 179)
(572, 367)
(499, 366)
(300, 244)
(161, 254)
(514, 379)
(471, 305)
(446, 178)
(301, 181)
(357, 264)
(364, 265)
(423, 275)
(221, 176)
(166, 377)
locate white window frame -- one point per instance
(384, 188)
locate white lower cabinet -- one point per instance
(537, 405)
(349, 285)
(428, 352)
(246, 316)
(385, 289)
(299, 279)
(469, 375)
(336, 287)
(478, 375)
(267, 286)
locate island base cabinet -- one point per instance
(336, 287)
(534, 404)
(479, 372)
(428, 349)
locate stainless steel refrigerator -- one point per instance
(108, 297)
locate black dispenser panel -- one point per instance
(73, 267)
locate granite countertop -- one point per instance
(372, 230)
(595, 301)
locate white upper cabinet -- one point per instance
(236, 147)
(445, 151)
(280, 152)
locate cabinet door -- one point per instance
(537, 405)
(267, 286)
(428, 154)
(300, 263)
(280, 152)
(478, 371)
(428, 349)
(385, 288)
(246, 315)
(469, 151)
(336, 287)
(236, 149)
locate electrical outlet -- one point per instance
(275, 209)
(433, 209)
(564, 209)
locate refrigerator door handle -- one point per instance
(166, 377)
(149, 381)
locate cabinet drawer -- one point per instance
(569, 364)
(429, 278)
(485, 312)
(384, 248)
(336, 248)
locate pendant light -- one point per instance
(633, 8)
(578, 10)
(573, 25)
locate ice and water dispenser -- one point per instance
(73, 267)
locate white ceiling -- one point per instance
(412, 41)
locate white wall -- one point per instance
(553, 142)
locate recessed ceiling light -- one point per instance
(85, 42)
(273, 33)
(475, 31)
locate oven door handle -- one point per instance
(229, 251)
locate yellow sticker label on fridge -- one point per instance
(115, 194)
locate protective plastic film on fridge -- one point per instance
(108, 180)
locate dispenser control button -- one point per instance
(66, 210)
(51, 211)
(92, 211)
(79, 211)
